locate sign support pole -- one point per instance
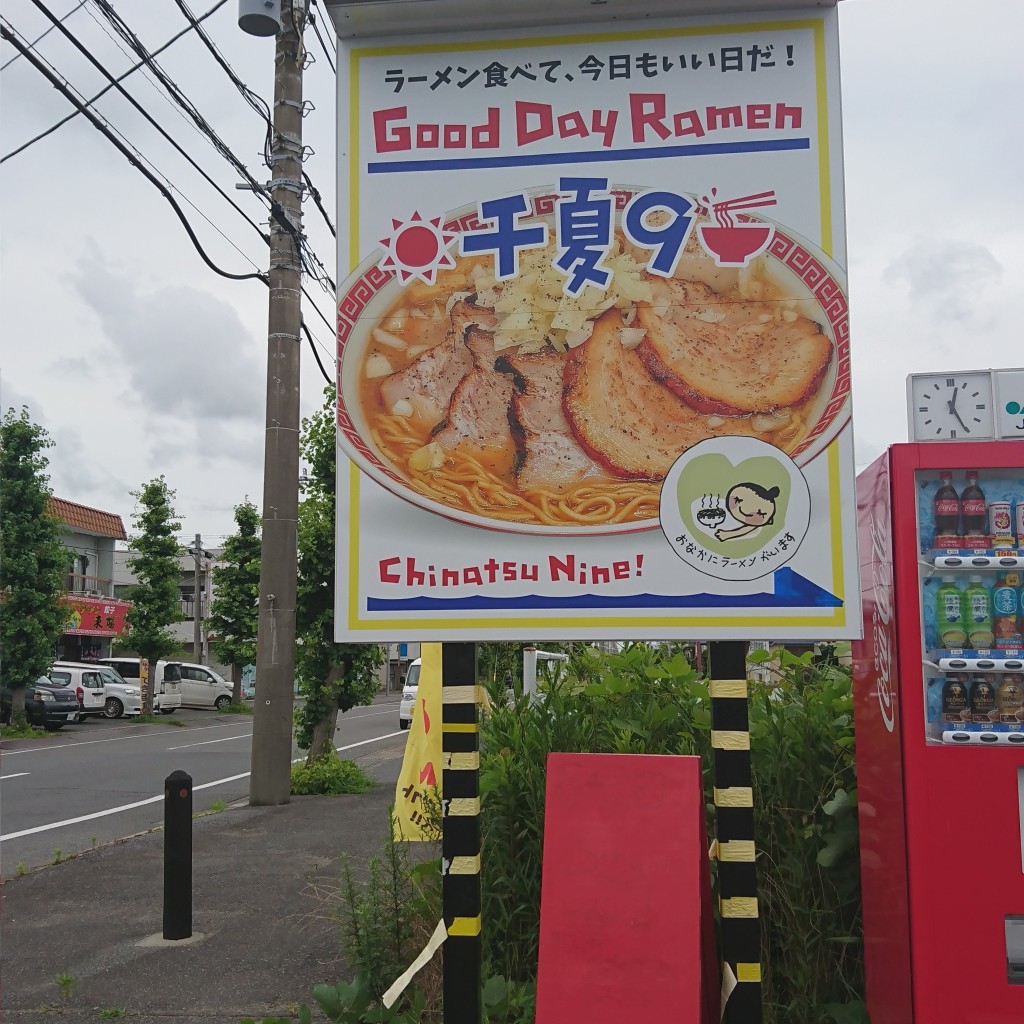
(460, 841)
(734, 832)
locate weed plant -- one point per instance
(650, 701)
(235, 709)
(329, 776)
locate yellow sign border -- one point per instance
(838, 615)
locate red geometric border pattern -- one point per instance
(792, 254)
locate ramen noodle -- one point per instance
(512, 401)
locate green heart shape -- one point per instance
(715, 474)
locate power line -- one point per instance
(120, 78)
(310, 262)
(142, 110)
(257, 103)
(40, 38)
(9, 33)
(326, 49)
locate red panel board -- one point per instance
(625, 899)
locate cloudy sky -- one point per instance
(139, 360)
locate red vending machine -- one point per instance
(939, 691)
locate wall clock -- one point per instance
(951, 406)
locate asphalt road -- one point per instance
(101, 780)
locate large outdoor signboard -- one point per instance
(593, 346)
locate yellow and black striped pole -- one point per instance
(460, 841)
(734, 832)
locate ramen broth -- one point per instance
(481, 479)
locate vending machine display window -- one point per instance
(971, 533)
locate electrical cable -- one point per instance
(309, 261)
(40, 38)
(120, 78)
(316, 355)
(316, 29)
(258, 105)
(315, 193)
(133, 41)
(142, 110)
(8, 32)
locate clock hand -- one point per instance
(958, 419)
(952, 403)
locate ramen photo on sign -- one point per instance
(550, 387)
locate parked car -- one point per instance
(201, 687)
(165, 680)
(408, 702)
(99, 689)
(47, 703)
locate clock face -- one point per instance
(951, 407)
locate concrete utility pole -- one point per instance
(197, 603)
(270, 782)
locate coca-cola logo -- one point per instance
(881, 617)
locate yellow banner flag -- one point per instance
(419, 781)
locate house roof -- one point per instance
(88, 520)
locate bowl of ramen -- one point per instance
(512, 406)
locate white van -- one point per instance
(165, 680)
(201, 687)
(408, 702)
(100, 690)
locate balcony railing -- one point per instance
(188, 607)
(89, 586)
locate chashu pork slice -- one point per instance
(625, 419)
(478, 411)
(731, 357)
(428, 382)
(548, 454)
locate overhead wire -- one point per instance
(120, 78)
(134, 157)
(166, 135)
(137, 160)
(258, 104)
(310, 262)
(316, 28)
(40, 38)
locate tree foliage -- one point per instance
(234, 613)
(332, 676)
(156, 599)
(32, 559)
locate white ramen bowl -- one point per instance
(800, 268)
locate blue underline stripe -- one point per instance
(589, 156)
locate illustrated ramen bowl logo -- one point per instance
(735, 508)
(512, 405)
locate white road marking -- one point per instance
(138, 735)
(112, 739)
(157, 799)
(204, 743)
(16, 775)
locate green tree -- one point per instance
(234, 613)
(156, 600)
(32, 559)
(334, 677)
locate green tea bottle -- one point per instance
(949, 613)
(978, 599)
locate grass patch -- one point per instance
(158, 720)
(28, 732)
(235, 709)
(112, 1013)
(329, 776)
(215, 808)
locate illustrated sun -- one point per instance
(417, 248)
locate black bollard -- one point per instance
(178, 855)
